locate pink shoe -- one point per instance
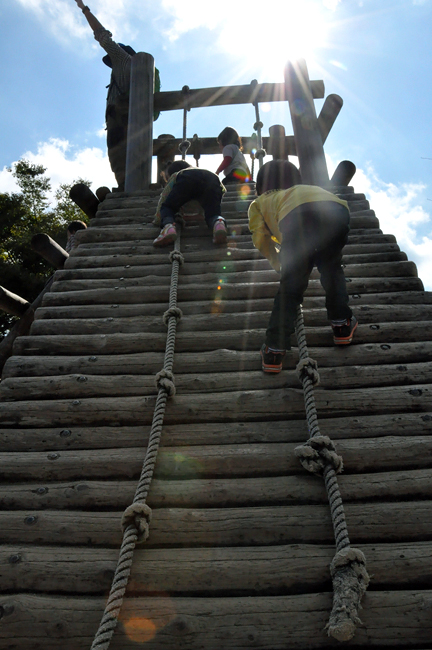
(167, 236)
(219, 232)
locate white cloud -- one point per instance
(64, 164)
(400, 213)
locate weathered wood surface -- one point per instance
(362, 302)
(275, 459)
(51, 438)
(213, 572)
(85, 386)
(220, 407)
(269, 623)
(376, 314)
(385, 269)
(216, 493)
(93, 344)
(409, 521)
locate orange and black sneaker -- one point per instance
(271, 359)
(343, 331)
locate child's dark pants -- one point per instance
(197, 184)
(313, 234)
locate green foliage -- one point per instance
(23, 215)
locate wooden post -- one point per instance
(11, 303)
(343, 173)
(329, 112)
(102, 193)
(276, 143)
(140, 127)
(82, 195)
(307, 135)
(166, 152)
(49, 250)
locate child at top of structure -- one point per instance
(296, 227)
(185, 184)
(234, 163)
(72, 229)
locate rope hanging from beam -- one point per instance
(318, 455)
(260, 153)
(137, 517)
(185, 144)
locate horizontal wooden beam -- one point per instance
(228, 95)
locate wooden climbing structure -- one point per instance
(240, 539)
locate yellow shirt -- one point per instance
(268, 210)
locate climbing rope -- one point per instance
(185, 144)
(136, 518)
(318, 455)
(196, 148)
(260, 153)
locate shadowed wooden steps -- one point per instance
(241, 536)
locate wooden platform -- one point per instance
(241, 537)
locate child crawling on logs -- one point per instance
(187, 183)
(310, 227)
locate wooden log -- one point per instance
(12, 304)
(227, 95)
(385, 333)
(266, 622)
(140, 125)
(213, 461)
(207, 362)
(219, 322)
(259, 526)
(49, 250)
(215, 493)
(85, 386)
(82, 195)
(307, 136)
(343, 173)
(213, 572)
(235, 406)
(145, 294)
(58, 438)
(328, 114)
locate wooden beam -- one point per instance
(49, 250)
(228, 95)
(11, 303)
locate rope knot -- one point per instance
(260, 153)
(165, 381)
(350, 581)
(176, 256)
(184, 146)
(258, 125)
(138, 514)
(172, 312)
(317, 453)
(308, 368)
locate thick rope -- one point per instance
(136, 518)
(348, 568)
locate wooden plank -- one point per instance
(85, 386)
(274, 459)
(256, 571)
(398, 619)
(375, 314)
(259, 526)
(95, 344)
(221, 407)
(215, 493)
(52, 438)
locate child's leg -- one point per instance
(296, 266)
(184, 190)
(210, 199)
(334, 219)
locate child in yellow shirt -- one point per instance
(296, 227)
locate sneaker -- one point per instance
(219, 232)
(343, 332)
(167, 235)
(271, 359)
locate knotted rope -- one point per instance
(348, 568)
(136, 518)
(260, 152)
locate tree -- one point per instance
(23, 215)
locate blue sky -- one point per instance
(376, 55)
